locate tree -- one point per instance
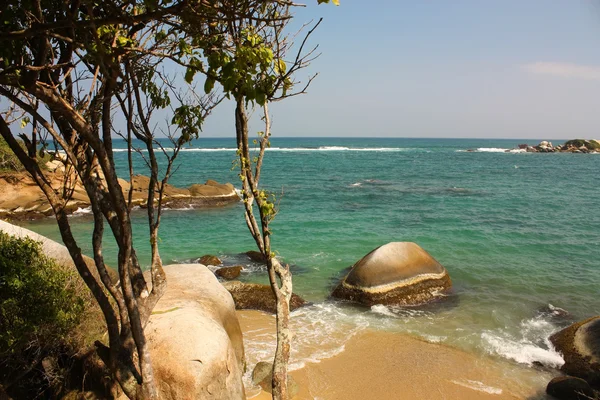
(65, 65)
(251, 58)
(67, 68)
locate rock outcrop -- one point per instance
(254, 296)
(209, 259)
(570, 146)
(229, 273)
(580, 347)
(570, 388)
(398, 273)
(195, 338)
(256, 256)
(22, 198)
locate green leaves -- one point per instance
(209, 84)
(189, 119)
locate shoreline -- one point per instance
(374, 364)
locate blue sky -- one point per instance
(502, 69)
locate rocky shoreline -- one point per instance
(21, 198)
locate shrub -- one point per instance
(8, 159)
(10, 163)
(39, 306)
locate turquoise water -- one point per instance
(517, 232)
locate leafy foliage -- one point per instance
(39, 305)
(8, 159)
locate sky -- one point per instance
(461, 69)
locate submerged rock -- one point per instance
(256, 256)
(570, 388)
(209, 259)
(398, 273)
(255, 296)
(580, 347)
(262, 375)
(229, 273)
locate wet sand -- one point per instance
(388, 365)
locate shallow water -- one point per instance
(518, 232)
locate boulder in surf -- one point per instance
(579, 345)
(397, 273)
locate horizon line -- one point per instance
(384, 137)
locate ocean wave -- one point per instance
(492, 150)
(320, 332)
(479, 386)
(403, 313)
(81, 211)
(531, 345)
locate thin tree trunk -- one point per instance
(277, 273)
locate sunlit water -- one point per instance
(518, 233)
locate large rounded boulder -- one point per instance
(397, 273)
(195, 338)
(580, 346)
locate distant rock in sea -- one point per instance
(398, 273)
(570, 146)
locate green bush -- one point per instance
(8, 160)
(10, 163)
(39, 305)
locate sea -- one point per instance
(518, 232)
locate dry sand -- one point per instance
(388, 365)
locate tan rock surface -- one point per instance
(195, 338)
(579, 344)
(21, 198)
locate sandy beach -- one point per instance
(387, 365)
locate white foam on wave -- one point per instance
(477, 385)
(492, 150)
(406, 314)
(356, 184)
(533, 345)
(82, 211)
(382, 310)
(186, 208)
(434, 338)
(320, 331)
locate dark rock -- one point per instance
(580, 347)
(255, 296)
(398, 273)
(256, 256)
(208, 259)
(570, 388)
(262, 375)
(229, 273)
(588, 144)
